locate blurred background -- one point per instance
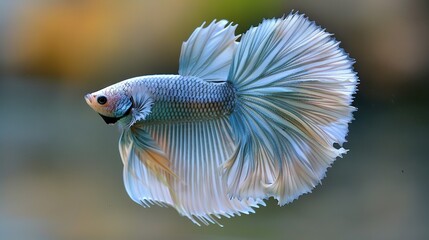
(60, 170)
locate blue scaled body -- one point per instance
(181, 99)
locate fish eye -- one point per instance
(101, 100)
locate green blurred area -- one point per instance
(60, 171)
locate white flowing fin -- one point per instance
(195, 150)
(294, 88)
(208, 52)
(145, 163)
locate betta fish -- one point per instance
(242, 121)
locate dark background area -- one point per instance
(60, 170)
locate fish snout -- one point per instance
(88, 98)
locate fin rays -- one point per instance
(195, 151)
(294, 87)
(208, 52)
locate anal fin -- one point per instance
(139, 150)
(196, 152)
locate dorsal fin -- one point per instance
(208, 52)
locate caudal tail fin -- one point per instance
(294, 87)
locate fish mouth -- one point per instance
(88, 99)
(109, 120)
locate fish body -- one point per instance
(242, 121)
(177, 98)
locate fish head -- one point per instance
(110, 103)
